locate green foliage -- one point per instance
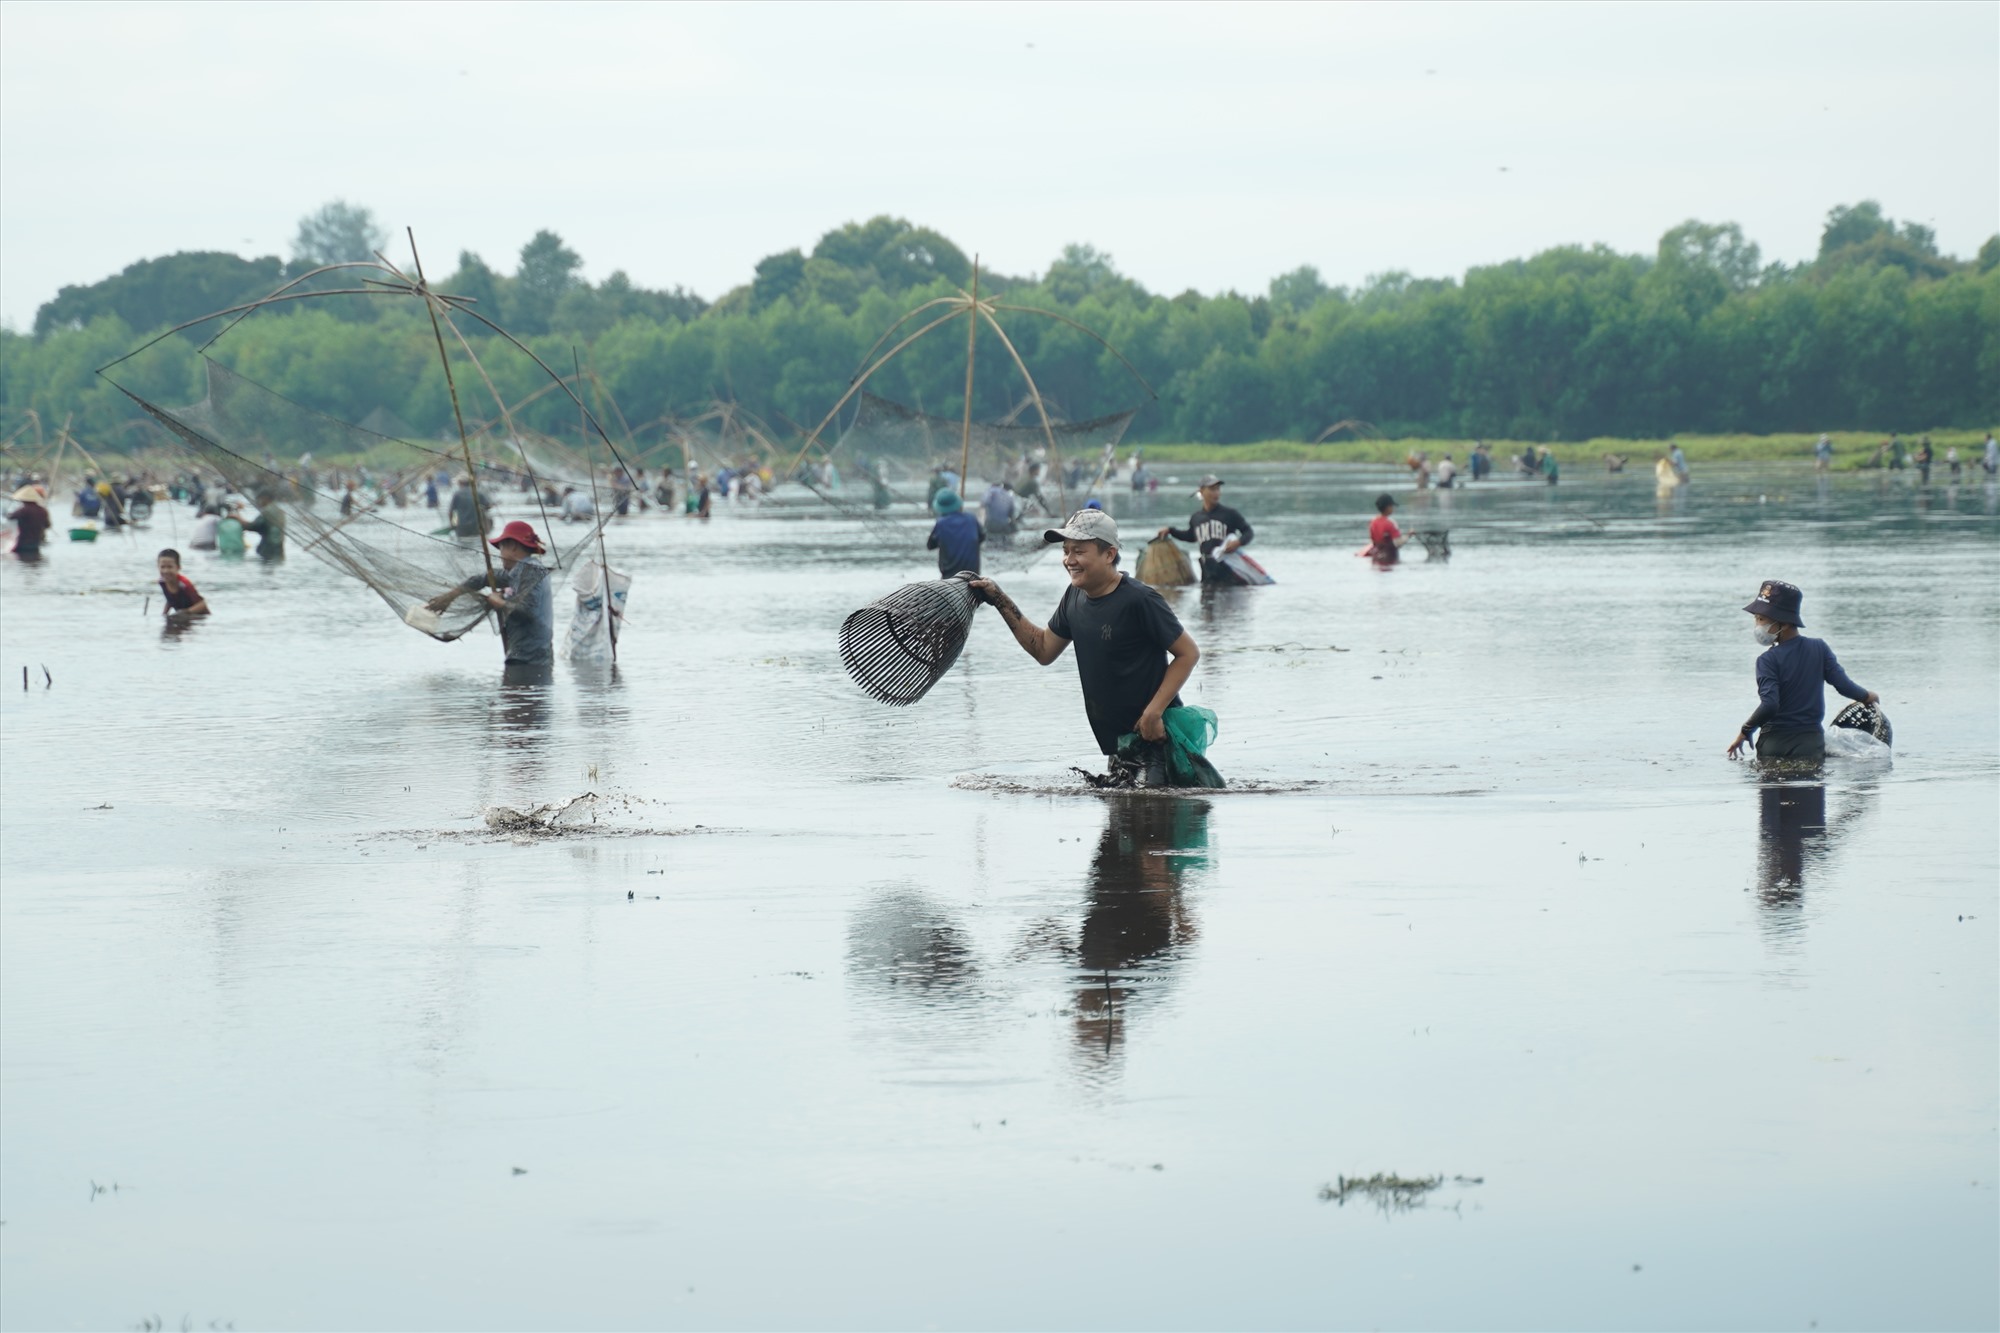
(1880, 333)
(547, 274)
(1298, 291)
(154, 293)
(1861, 237)
(338, 233)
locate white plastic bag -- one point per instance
(590, 628)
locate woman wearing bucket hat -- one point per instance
(520, 596)
(1792, 673)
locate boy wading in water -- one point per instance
(1385, 539)
(183, 600)
(1792, 673)
(1132, 656)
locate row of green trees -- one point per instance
(1880, 331)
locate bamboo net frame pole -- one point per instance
(603, 560)
(457, 414)
(55, 465)
(812, 437)
(971, 345)
(1048, 431)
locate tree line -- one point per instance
(1880, 331)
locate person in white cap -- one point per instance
(1132, 656)
(1216, 530)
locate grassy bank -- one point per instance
(1850, 449)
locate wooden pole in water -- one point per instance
(464, 445)
(55, 464)
(603, 561)
(971, 343)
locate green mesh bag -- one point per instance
(1190, 731)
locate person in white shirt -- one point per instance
(204, 531)
(1446, 474)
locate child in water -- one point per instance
(184, 602)
(1385, 539)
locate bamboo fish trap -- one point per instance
(898, 646)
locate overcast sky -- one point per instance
(1202, 146)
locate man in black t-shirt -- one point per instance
(1132, 656)
(1216, 529)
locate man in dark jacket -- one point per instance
(1792, 673)
(1216, 529)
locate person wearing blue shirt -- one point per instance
(1792, 673)
(955, 536)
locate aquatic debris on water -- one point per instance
(1388, 1191)
(553, 819)
(590, 815)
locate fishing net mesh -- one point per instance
(898, 646)
(1436, 543)
(240, 421)
(1866, 718)
(917, 440)
(1164, 565)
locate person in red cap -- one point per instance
(1793, 672)
(520, 595)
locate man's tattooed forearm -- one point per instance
(1005, 605)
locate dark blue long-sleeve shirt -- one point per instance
(956, 537)
(1791, 679)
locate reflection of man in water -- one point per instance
(1790, 816)
(1136, 917)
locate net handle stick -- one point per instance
(603, 560)
(1087, 331)
(465, 446)
(464, 307)
(94, 466)
(812, 437)
(971, 344)
(1055, 450)
(955, 302)
(507, 419)
(55, 464)
(250, 307)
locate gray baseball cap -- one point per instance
(1209, 480)
(1085, 525)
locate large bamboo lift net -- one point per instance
(241, 421)
(918, 441)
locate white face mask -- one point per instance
(1763, 633)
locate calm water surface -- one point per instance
(899, 1028)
